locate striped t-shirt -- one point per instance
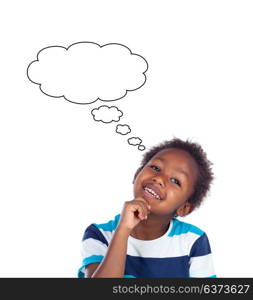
(183, 251)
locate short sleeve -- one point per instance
(93, 248)
(201, 262)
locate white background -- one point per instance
(60, 170)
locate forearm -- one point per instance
(113, 264)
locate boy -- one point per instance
(146, 239)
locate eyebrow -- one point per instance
(177, 169)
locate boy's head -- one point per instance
(174, 177)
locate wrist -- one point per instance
(123, 230)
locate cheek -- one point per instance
(141, 176)
(176, 196)
(137, 182)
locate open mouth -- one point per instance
(151, 193)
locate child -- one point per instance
(147, 239)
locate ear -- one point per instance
(184, 209)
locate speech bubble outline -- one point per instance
(122, 126)
(110, 108)
(133, 65)
(86, 42)
(134, 138)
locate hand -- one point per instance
(133, 212)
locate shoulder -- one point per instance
(179, 228)
(102, 231)
(193, 237)
(111, 225)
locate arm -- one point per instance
(113, 264)
(90, 269)
(201, 263)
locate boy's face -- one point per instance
(167, 181)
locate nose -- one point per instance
(158, 179)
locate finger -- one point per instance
(143, 209)
(142, 212)
(143, 201)
(145, 204)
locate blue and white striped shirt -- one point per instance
(183, 251)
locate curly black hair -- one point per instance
(205, 174)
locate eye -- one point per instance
(175, 181)
(155, 168)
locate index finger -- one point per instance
(143, 200)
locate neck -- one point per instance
(152, 228)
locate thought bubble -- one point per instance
(85, 72)
(134, 141)
(107, 114)
(123, 129)
(141, 147)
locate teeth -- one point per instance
(152, 192)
